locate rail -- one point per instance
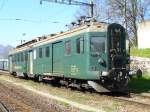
(3, 107)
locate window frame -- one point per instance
(105, 47)
(13, 58)
(68, 47)
(18, 57)
(26, 56)
(80, 45)
(21, 57)
(34, 54)
(40, 53)
(47, 51)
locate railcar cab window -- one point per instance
(47, 52)
(68, 47)
(40, 52)
(97, 45)
(80, 45)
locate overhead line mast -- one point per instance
(72, 2)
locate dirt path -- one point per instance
(17, 99)
(22, 95)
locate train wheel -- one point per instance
(25, 75)
(14, 74)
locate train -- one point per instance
(90, 54)
(4, 64)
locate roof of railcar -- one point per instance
(92, 27)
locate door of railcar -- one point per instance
(57, 58)
(10, 64)
(30, 62)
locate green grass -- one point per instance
(140, 85)
(140, 52)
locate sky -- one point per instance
(28, 19)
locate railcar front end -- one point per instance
(111, 54)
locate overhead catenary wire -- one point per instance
(73, 2)
(26, 20)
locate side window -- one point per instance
(13, 58)
(40, 52)
(21, 57)
(34, 54)
(80, 45)
(47, 52)
(18, 57)
(68, 47)
(26, 56)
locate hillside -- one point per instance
(4, 50)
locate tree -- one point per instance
(132, 11)
(125, 12)
(100, 10)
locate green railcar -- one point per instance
(91, 52)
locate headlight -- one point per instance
(104, 73)
(101, 61)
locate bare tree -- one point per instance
(101, 12)
(125, 12)
(131, 12)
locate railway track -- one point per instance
(139, 100)
(3, 108)
(136, 99)
(16, 100)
